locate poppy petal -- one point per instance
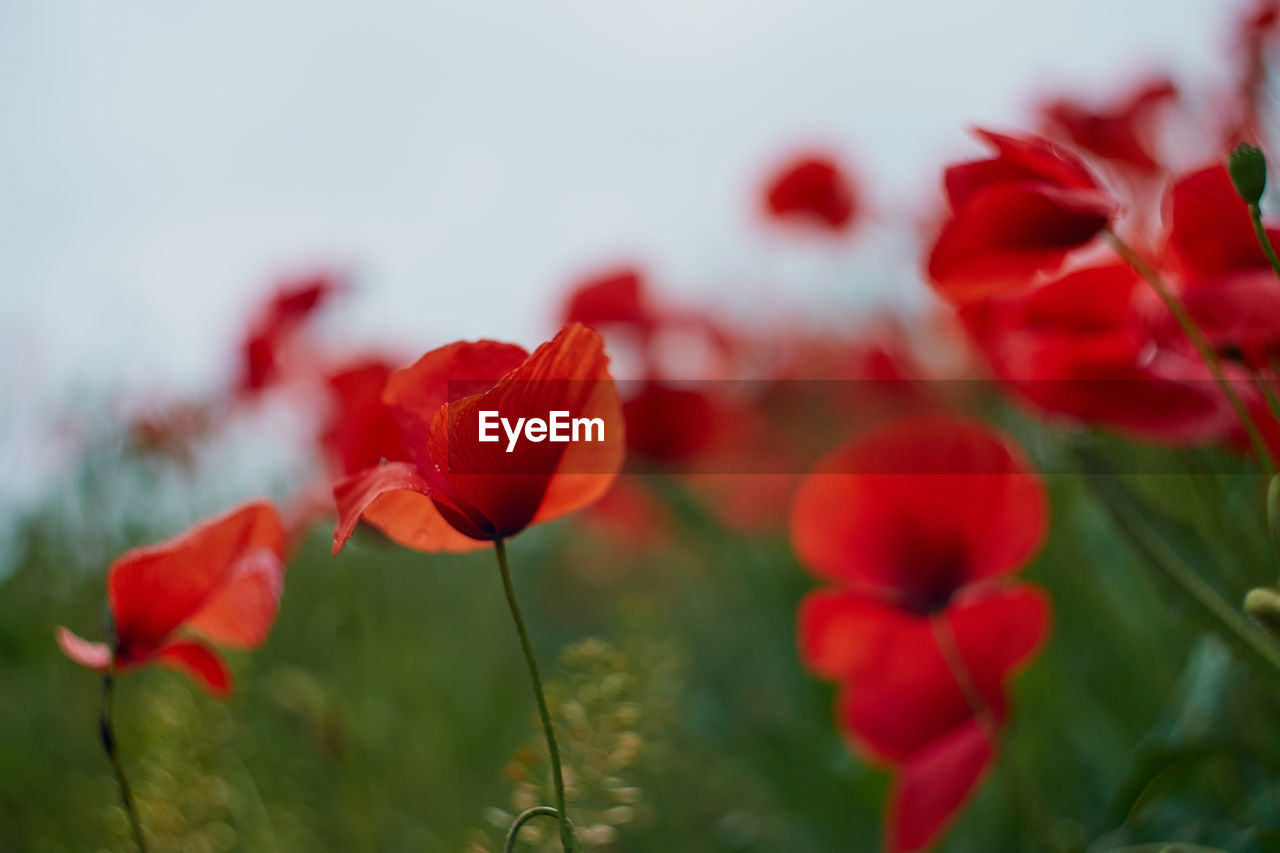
(1121, 134)
(205, 666)
(84, 652)
(418, 522)
(505, 491)
(614, 298)
(997, 632)
(1079, 347)
(393, 497)
(1019, 159)
(909, 696)
(918, 508)
(1239, 310)
(241, 612)
(1004, 235)
(929, 790)
(360, 432)
(153, 590)
(1210, 231)
(414, 394)
(812, 190)
(844, 634)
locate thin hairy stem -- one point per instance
(1230, 623)
(106, 729)
(1264, 239)
(1023, 787)
(568, 838)
(1202, 346)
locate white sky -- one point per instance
(160, 161)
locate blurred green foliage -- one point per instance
(390, 708)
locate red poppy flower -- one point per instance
(1081, 347)
(1219, 267)
(1013, 217)
(903, 705)
(617, 297)
(361, 432)
(219, 582)
(917, 510)
(1119, 135)
(275, 326)
(920, 523)
(1210, 231)
(812, 190)
(1255, 31)
(670, 424)
(459, 493)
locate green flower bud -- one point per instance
(1248, 168)
(1264, 605)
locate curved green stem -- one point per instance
(1231, 624)
(568, 838)
(1202, 346)
(1023, 788)
(106, 729)
(521, 819)
(1255, 215)
(1273, 514)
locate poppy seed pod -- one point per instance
(1248, 168)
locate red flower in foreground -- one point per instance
(1013, 217)
(459, 493)
(220, 581)
(812, 190)
(920, 524)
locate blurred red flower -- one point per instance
(813, 190)
(1080, 346)
(1255, 32)
(920, 523)
(457, 493)
(1219, 266)
(1013, 217)
(1121, 134)
(274, 327)
(360, 431)
(612, 299)
(220, 581)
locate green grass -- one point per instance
(385, 709)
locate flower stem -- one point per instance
(1231, 624)
(1255, 215)
(1023, 787)
(568, 839)
(524, 817)
(1197, 339)
(106, 729)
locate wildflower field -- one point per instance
(995, 569)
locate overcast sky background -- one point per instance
(162, 161)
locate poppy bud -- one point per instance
(1248, 168)
(1264, 605)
